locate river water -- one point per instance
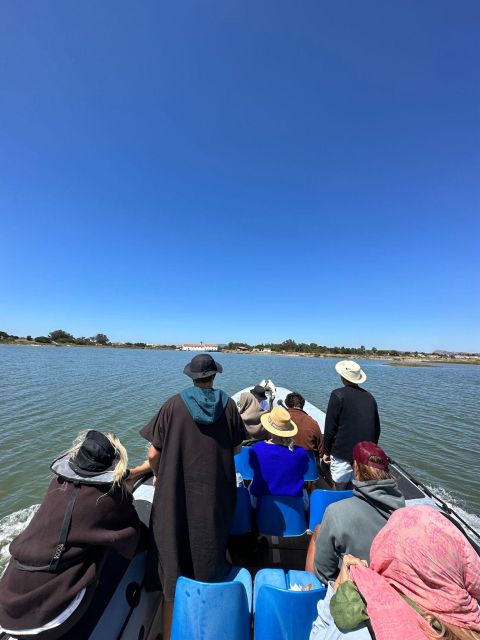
(429, 416)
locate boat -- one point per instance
(124, 610)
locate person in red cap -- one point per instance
(349, 526)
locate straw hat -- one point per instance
(351, 371)
(279, 423)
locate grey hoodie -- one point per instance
(349, 526)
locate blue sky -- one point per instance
(253, 171)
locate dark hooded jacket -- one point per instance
(349, 526)
(100, 519)
(194, 502)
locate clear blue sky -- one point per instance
(252, 171)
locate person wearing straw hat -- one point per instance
(352, 416)
(278, 465)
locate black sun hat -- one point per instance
(259, 391)
(202, 366)
(95, 456)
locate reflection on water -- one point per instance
(429, 415)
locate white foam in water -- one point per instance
(470, 518)
(11, 526)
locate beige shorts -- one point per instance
(341, 470)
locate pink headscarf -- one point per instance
(422, 555)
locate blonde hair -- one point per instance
(367, 473)
(120, 452)
(451, 631)
(284, 441)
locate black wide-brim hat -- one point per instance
(259, 391)
(202, 366)
(95, 456)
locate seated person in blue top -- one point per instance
(278, 465)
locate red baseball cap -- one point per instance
(363, 451)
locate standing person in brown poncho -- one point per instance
(193, 440)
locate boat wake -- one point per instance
(470, 518)
(11, 526)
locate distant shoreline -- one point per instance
(31, 343)
(426, 361)
(415, 364)
(399, 361)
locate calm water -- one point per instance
(430, 416)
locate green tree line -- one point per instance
(291, 346)
(60, 336)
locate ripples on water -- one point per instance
(429, 415)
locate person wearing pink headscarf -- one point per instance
(423, 582)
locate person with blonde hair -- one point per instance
(423, 582)
(55, 562)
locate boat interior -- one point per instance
(267, 549)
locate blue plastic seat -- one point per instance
(312, 471)
(320, 499)
(281, 516)
(242, 520)
(242, 465)
(213, 610)
(281, 614)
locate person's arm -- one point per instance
(324, 625)
(154, 459)
(326, 555)
(309, 562)
(137, 472)
(116, 524)
(318, 440)
(347, 562)
(141, 470)
(331, 424)
(154, 432)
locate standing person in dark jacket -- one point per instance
(53, 571)
(352, 416)
(193, 440)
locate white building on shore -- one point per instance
(199, 347)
